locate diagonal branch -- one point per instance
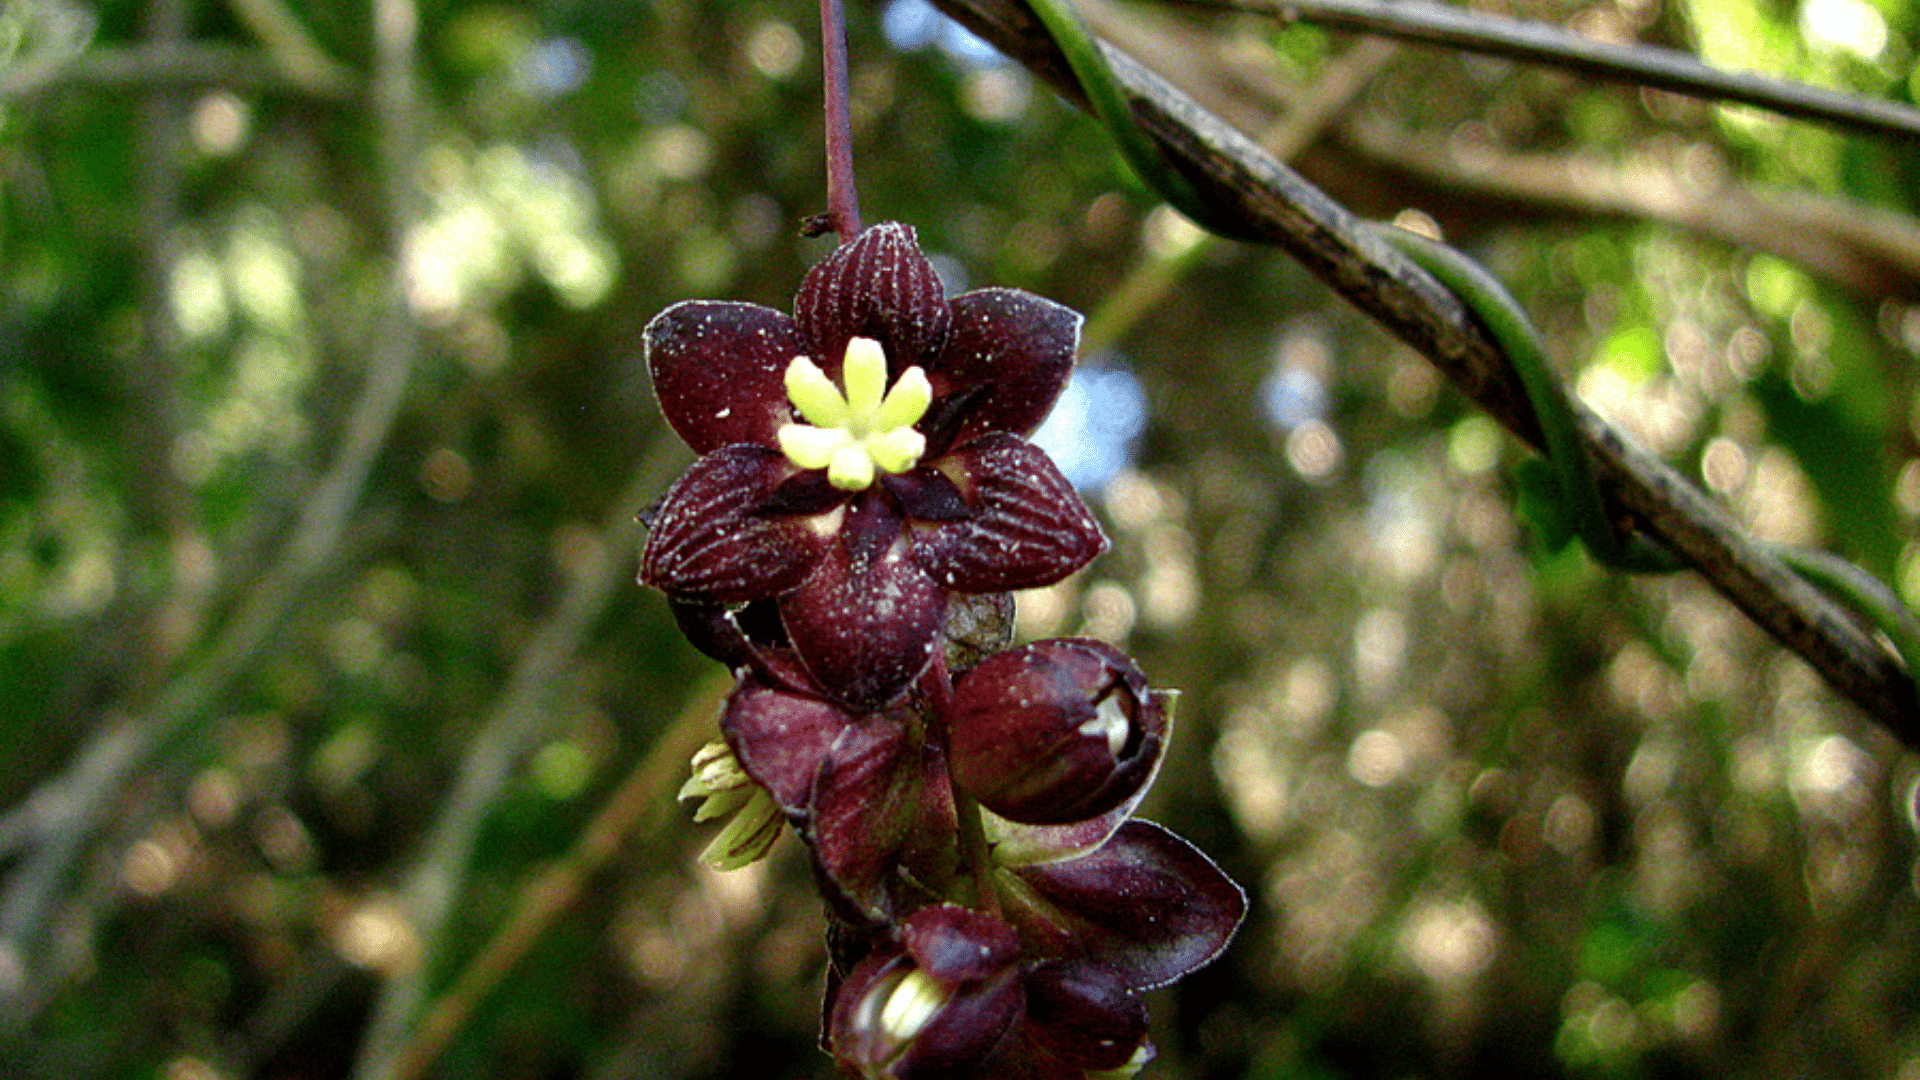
(1871, 250)
(642, 804)
(1267, 202)
(293, 51)
(1640, 65)
(59, 820)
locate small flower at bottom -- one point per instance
(725, 788)
(936, 1004)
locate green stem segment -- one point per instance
(1572, 470)
(1110, 106)
(976, 856)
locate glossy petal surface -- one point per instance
(949, 1045)
(1147, 903)
(865, 801)
(1028, 529)
(719, 369)
(781, 738)
(712, 540)
(1007, 356)
(956, 944)
(879, 286)
(1056, 732)
(867, 621)
(1085, 1013)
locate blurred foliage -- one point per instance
(1498, 813)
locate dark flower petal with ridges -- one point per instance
(1028, 527)
(1007, 358)
(720, 368)
(712, 541)
(879, 286)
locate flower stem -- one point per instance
(976, 857)
(843, 203)
(974, 851)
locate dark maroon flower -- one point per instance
(934, 1006)
(1088, 934)
(864, 458)
(1085, 1015)
(1056, 732)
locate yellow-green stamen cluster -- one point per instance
(866, 429)
(727, 789)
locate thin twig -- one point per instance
(1870, 250)
(1640, 65)
(180, 65)
(293, 50)
(642, 804)
(514, 725)
(843, 198)
(1268, 203)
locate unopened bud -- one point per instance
(934, 1008)
(1056, 731)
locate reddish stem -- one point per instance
(843, 204)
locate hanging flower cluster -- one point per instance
(864, 501)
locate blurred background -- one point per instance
(338, 741)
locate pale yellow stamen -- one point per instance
(911, 1004)
(863, 432)
(725, 788)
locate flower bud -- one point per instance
(1056, 731)
(937, 1008)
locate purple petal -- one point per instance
(720, 369)
(865, 802)
(1029, 528)
(928, 495)
(781, 738)
(879, 286)
(953, 1044)
(1085, 1013)
(867, 621)
(1025, 1057)
(1007, 357)
(712, 541)
(1147, 903)
(956, 944)
(1030, 731)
